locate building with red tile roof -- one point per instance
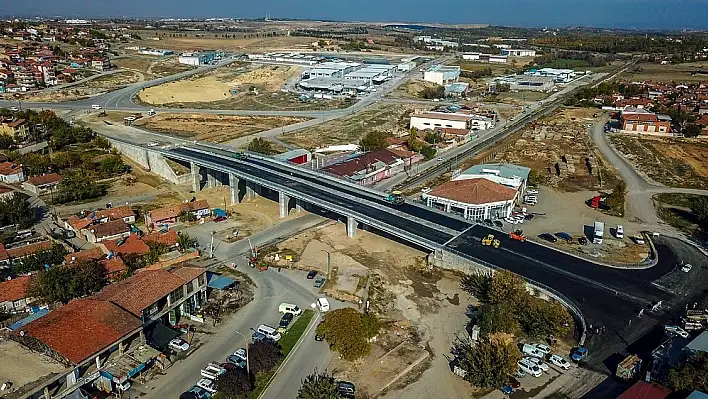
(13, 294)
(82, 329)
(368, 168)
(87, 218)
(168, 238)
(167, 216)
(114, 265)
(642, 121)
(4, 257)
(29, 249)
(115, 229)
(476, 198)
(11, 172)
(131, 245)
(645, 390)
(42, 184)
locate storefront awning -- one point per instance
(159, 335)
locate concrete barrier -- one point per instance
(150, 160)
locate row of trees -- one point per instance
(64, 283)
(263, 356)
(40, 260)
(78, 185)
(432, 92)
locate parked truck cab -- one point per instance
(598, 233)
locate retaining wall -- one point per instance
(150, 160)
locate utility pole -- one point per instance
(211, 251)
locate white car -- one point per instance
(529, 368)
(153, 144)
(676, 330)
(14, 109)
(130, 118)
(531, 350)
(241, 352)
(543, 348)
(559, 361)
(686, 267)
(543, 366)
(179, 345)
(207, 385)
(639, 239)
(532, 191)
(620, 232)
(95, 106)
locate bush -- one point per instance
(263, 356)
(348, 332)
(436, 91)
(235, 383)
(373, 141)
(319, 386)
(488, 361)
(261, 146)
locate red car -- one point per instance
(220, 218)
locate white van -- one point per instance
(322, 304)
(529, 368)
(289, 308)
(96, 106)
(269, 332)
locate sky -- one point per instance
(633, 14)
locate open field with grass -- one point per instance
(152, 67)
(101, 84)
(411, 89)
(388, 118)
(217, 43)
(666, 73)
(669, 161)
(213, 128)
(677, 210)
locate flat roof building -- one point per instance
(518, 52)
(442, 74)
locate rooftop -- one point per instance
(506, 170)
(42, 180)
(644, 390)
(26, 369)
(174, 211)
(21, 252)
(82, 328)
(129, 245)
(15, 289)
(699, 344)
(10, 168)
(474, 191)
(444, 116)
(111, 228)
(362, 162)
(3, 253)
(169, 238)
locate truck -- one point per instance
(598, 233)
(396, 198)
(629, 368)
(239, 155)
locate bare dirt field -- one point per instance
(667, 73)
(411, 89)
(92, 87)
(381, 117)
(670, 161)
(152, 67)
(422, 310)
(214, 128)
(239, 44)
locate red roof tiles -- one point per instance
(14, 290)
(362, 162)
(109, 229)
(138, 292)
(130, 245)
(3, 253)
(172, 212)
(169, 238)
(10, 168)
(474, 191)
(21, 252)
(82, 328)
(51, 178)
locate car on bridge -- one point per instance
(396, 198)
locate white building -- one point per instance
(506, 174)
(442, 74)
(432, 120)
(519, 52)
(330, 70)
(527, 82)
(558, 75)
(475, 199)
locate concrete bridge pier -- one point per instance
(196, 177)
(284, 202)
(351, 226)
(251, 188)
(298, 205)
(234, 184)
(213, 178)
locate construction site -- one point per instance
(90, 87)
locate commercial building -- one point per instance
(506, 174)
(558, 75)
(155, 51)
(475, 199)
(197, 58)
(287, 58)
(457, 90)
(370, 167)
(527, 82)
(442, 74)
(330, 70)
(481, 57)
(639, 120)
(432, 120)
(518, 52)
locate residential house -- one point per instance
(6, 192)
(131, 245)
(10, 172)
(152, 295)
(17, 129)
(13, 295)
(115, 267)
(17, 253)
(166, 217)
(42, 184)
(4, 257)
(475, 199)
(368, 168)
(101, 63)
(80, 223)
(641, 121)
(169, 238)
(111, 230)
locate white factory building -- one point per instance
(518, 52)
(286, 58)
(558, 75)
(481, 57)
(442, 74)
(330, 70)
(527, 82)
(433, 120)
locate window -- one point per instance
(202, 279)
(438, 125)
(190, 287)
(426, 123)
(176, 295)
(448, 125)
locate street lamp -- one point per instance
(329, 261)
(248, 366)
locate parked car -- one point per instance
(564, 236)
(529, 368)
(311, 274)
(241, 352)
(543, 366)
(219, 219)
(14, 109)
(543, 348)
(488, 222)
(227, 366)
(531, 350)
(498, 223)
(559, 361)
(513, 382)
(619, 232)
(95, 106)
(548, 237)
(257, 336)
(319, 282)
(507, 389)
(237, 360)
(285, 320)
(676, 330)
(207, 385)
(346, 389)
(519, 374)
(531, 191)
(638, 239)
(153, 144)
(579, 354)
(582, 241)
(178, 345)
(195, 392)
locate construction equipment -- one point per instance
(517, 235)
(488, 239)
(396, 198)
(496, 243)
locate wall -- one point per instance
(150, 160)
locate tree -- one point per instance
(413, 143)
(186, 216)
(488, 361)
(691, 130)
(493, 319)
(699, 207)
(112, 165)
(6, 141)
(615, 200)
(77, 185)
(17, 209)
(261, 145)
(38, 261)
(186, 242)
(374, 140)
(691, 376)
(428, 152)
(235, 383)
(64, 283)
(319, 386)
(348, 332)
(156, 249)
(436, 91)
(263, 356)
